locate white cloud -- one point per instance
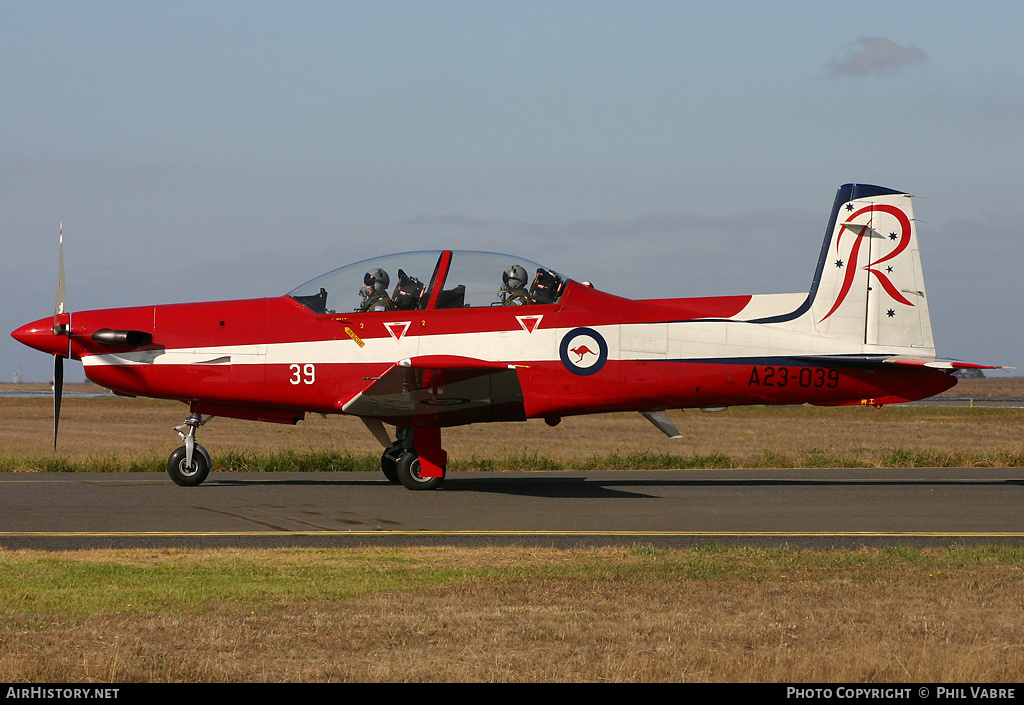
(872, 55)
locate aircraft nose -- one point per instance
(39, 335)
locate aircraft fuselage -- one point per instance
(274, 359)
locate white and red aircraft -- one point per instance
(446, 349)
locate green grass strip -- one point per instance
(330, 461)
(142, 580)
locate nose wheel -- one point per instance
(189, 465)
(185, 473)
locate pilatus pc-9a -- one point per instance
(412, 343)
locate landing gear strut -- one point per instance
(189, 465)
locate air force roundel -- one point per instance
(583, 351)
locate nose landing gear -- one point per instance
(189, 465)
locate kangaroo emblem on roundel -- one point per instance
(580, 351)
(583, 351)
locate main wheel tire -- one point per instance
(408, 467)
(389, 464)
(189, 476)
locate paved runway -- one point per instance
(811, 508)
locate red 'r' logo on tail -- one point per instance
(886, 283)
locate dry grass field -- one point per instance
(513, 615)
(141, 429)
(440, 614)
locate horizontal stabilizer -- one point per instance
(906, 360)
(940, 364)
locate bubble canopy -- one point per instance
(429, 279)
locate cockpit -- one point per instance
(439, 279)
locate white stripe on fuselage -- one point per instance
(708, 339)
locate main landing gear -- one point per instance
(189, 465)
(416, 460)
(419, 467)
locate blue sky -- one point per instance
(217, 150)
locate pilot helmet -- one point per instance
(376, 280)
(514, 277)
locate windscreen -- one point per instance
(405, 278)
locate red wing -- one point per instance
(442, 390)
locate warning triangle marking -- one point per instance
(397, 329)
(529, 323)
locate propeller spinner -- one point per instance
(55, 339)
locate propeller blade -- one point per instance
(58, 361)
(59, 306)
(58, 393)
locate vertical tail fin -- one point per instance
(869, 286)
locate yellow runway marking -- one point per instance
(386, 533)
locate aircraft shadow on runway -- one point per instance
(597, 488)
